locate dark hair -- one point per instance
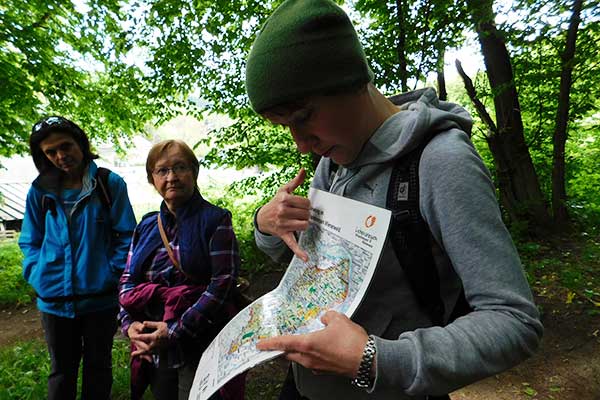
(160, 148)
(56, 124)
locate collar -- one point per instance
(189, 208)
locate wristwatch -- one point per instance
(255, 221)
(363, 377)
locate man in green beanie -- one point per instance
(307, 71)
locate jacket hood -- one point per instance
(421, 114)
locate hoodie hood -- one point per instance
(421, 115)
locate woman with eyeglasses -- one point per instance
(177, 291)
(75, 235)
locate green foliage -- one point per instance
(536, 38)
(583, 177)
(13, 288)
(115, 66)
(254, 143)
(198, 47)
(122, 371)
(197, 50)
(250, 142)
(24, 370)
(265, 381)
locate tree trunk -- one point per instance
(441, 78)
(441, 82)
(559, 193)
(520, 192)
(401, 46)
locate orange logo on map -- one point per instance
(370, 221)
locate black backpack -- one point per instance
(102, 187)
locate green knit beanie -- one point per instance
(306, 47)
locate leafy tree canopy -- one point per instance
(115, 65)
(56, 58)
(536, 35)
(418, 31)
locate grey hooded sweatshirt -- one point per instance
(458, 202)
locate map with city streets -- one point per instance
(342, 259)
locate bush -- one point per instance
(242, 210)
(13, 288)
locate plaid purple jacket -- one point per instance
(200, 231)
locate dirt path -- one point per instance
(567, 366)
(19, 324)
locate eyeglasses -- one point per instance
(177, 169)
(50, 121)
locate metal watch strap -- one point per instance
(363, 377)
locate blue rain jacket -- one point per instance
(75, 266)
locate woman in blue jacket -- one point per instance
(75, 238)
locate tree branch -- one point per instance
(481, 111)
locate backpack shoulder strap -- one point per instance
(103, 187)
(412, 240)
(48, 204)
(410, 235)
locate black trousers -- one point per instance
(90, 337)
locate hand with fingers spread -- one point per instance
(285, 214)
(335, 349)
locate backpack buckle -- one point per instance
(401, 216)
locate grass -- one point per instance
(265, 381)
(24, 370)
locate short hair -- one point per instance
(160, 148)
(45, 127)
